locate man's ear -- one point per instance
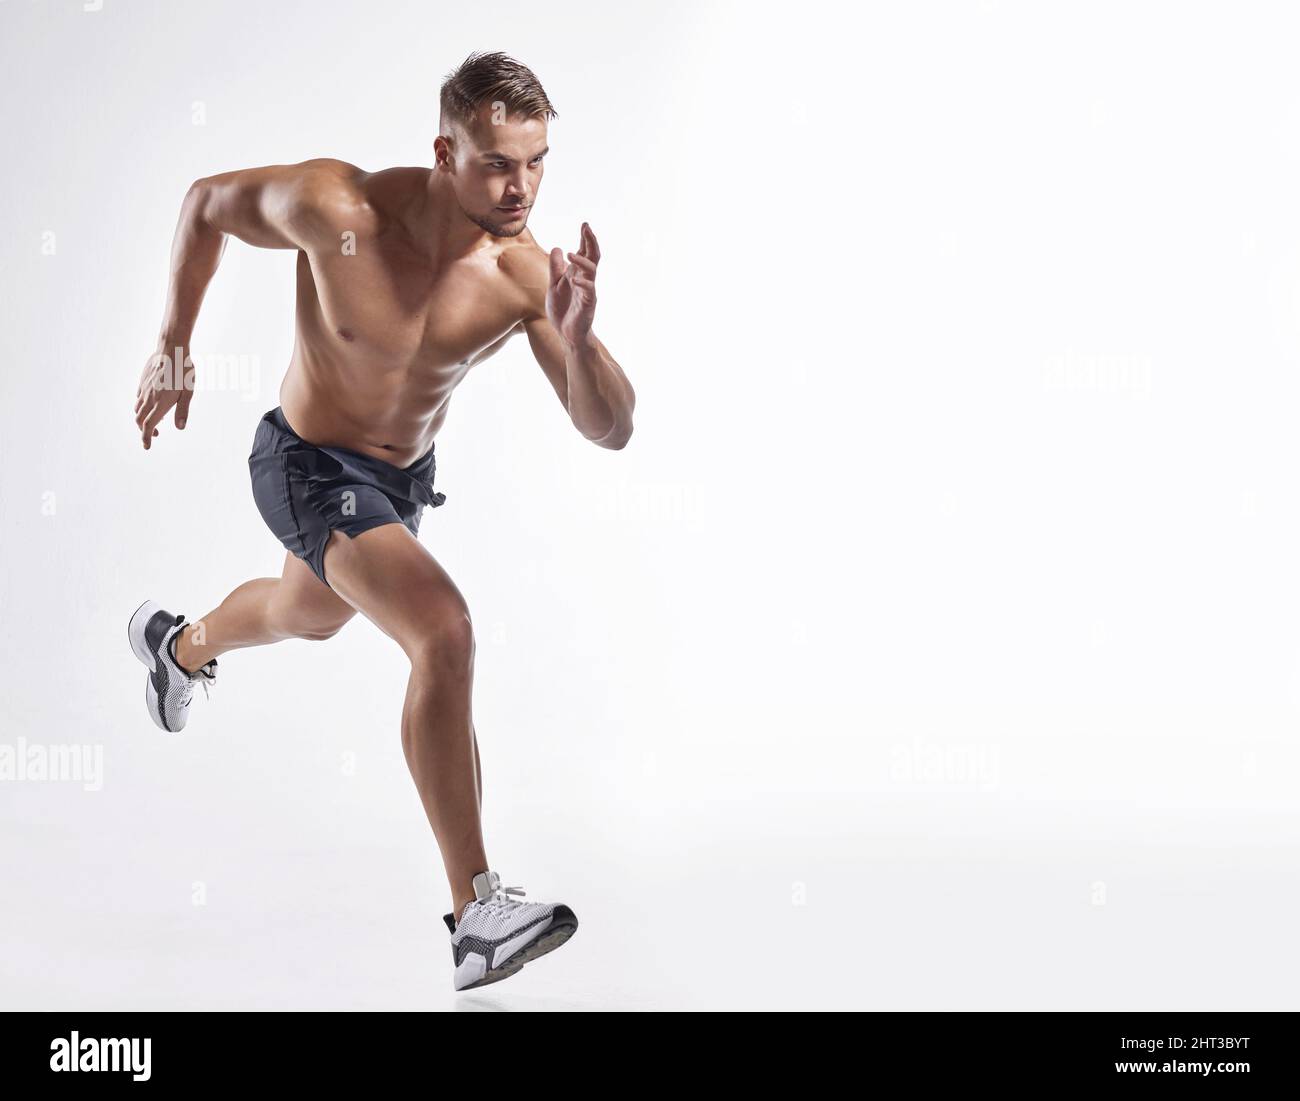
(443, 151)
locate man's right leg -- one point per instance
(294, 605)
(269, 609)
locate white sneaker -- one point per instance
(496, 935)
(169, 688)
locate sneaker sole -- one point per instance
(563, 926)
(135, 633)
(135, 636)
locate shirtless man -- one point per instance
(406, 278)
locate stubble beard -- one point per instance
(497, 229)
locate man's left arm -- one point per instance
(595, 392)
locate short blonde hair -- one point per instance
(491, 78)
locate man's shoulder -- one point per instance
(528, 266)
(343, 196)
(330, 194)
(391, 189)
(324, 180)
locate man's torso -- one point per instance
(384, 330)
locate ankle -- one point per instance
(458, 907)
(183, 653)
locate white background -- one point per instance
(935, 643)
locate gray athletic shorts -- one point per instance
(304, 492)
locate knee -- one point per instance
(444, 639)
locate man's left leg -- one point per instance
(397, 584)
(389, 576)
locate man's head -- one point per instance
(492, 140)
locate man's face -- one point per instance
(496, 166)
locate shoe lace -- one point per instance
(200, 676)
(498, 900)
(187, 689)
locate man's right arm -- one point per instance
(278, 206)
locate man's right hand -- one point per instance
(166, 381)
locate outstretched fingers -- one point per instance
(580, 261)
(589, 247)
(558, 267)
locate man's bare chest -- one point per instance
(400, 315)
